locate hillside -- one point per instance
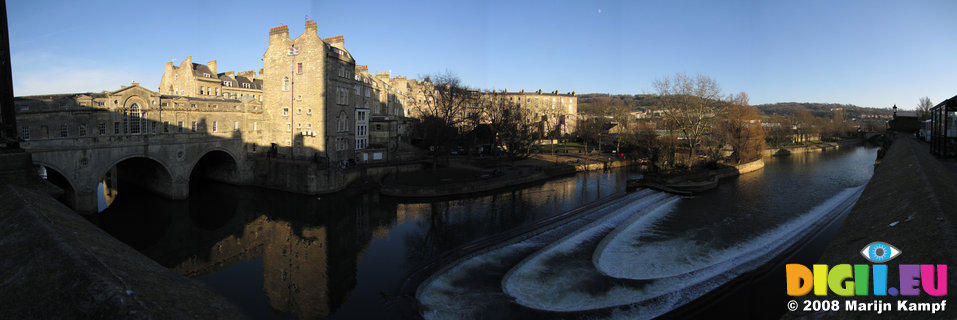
(822, 110)
(599, 103)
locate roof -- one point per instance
(200, 69)
(240, 80)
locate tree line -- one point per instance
(688, 122)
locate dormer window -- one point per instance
(246, 85)
(228, 83)
(293, 51)
(207, 75)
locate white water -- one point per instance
(621, 255)
(651, 298)
(444, 296)
(538, 283)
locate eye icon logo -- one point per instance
(880, 252)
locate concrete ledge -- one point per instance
(911, 203)
(454, 189)
(58, 265)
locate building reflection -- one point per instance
(309, 247)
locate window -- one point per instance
(285, 112)
(165, 126)
(299, 126)
(288, 127)
(180, 125)
(207, 75)
(356, 89)
(116, 127)
(134, 119)
(152, 127)
(246, 85)
(308, 126)
(309, 111)
(215, 126)
(192, 127)
(236, 125)
(101, 128)
(342, 121)
(64, 131)
(299, 68)
(217, 91)
(25, 133)
(378, 127)
(255, 126)
(299, 111)
(285, 83)
(200, 90)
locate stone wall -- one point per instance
(58, 265)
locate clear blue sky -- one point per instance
(868, 53)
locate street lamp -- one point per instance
(293, 52)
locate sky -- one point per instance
(866, 53)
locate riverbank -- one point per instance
(910, 204)
(464, 176)
(694, 182)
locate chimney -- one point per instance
(230, 73)
(188, 62)
(278, 33)
(311, 28)
(212, 67)
(337, 41)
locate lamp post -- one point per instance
(292, 102)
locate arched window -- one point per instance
(134, 119)
(285, 83)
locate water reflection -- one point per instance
(277, 254)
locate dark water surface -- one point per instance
(282, 255)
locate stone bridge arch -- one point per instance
(62, 179)
(218, 164)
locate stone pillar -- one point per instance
(86, 200)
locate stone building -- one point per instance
(552, 110)
(201, 80)
(134, 110)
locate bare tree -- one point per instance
(923, 108)
(690, 105)
(448, 99)
(742, 129)
(511, 126)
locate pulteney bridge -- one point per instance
(136, 137)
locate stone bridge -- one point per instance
(135, 137)
(159, 163)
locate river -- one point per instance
(280, 255)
